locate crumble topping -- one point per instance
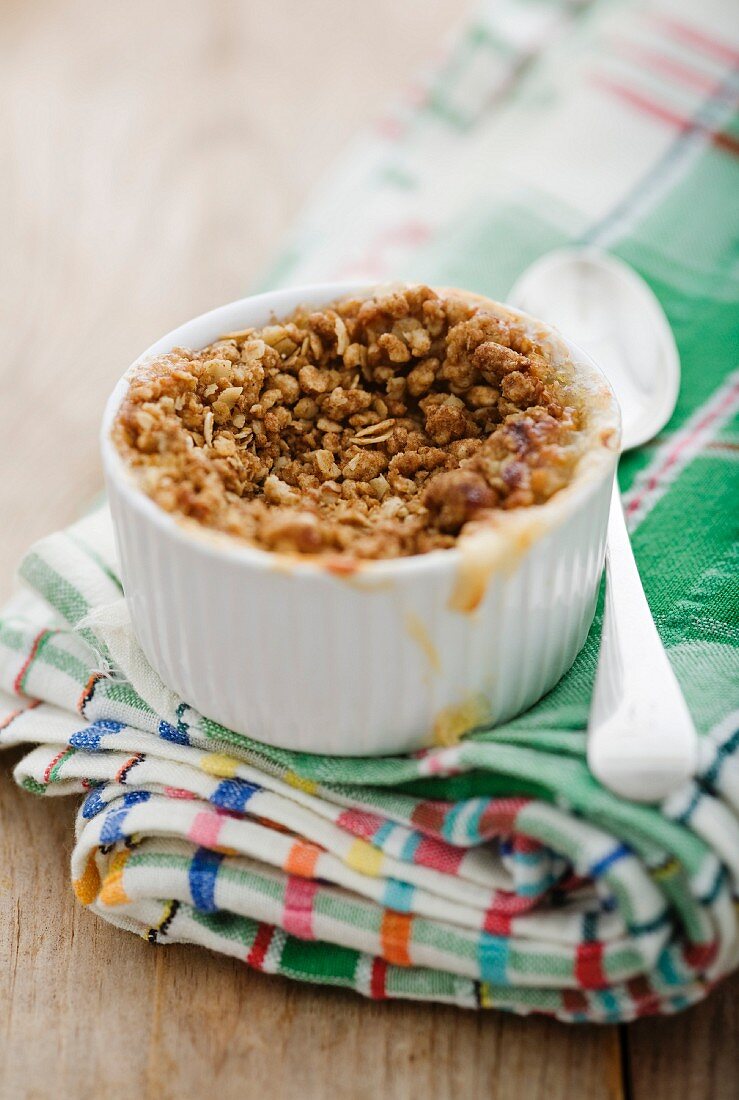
(377, 427)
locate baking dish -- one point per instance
(385, 656)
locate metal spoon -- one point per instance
(642, 743)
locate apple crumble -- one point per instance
(377, 427)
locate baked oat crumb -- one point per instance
(376, 428)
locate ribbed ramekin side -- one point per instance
(321, 664)
(541, 613)
(301, 662)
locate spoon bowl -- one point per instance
(606, 308)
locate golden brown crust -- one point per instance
(377, 427)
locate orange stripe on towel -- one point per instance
(19, 684)
(112, 892)
(301, 859)
(395, 935)
(88, 692)
(87, 885)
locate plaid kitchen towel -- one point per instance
(495, 872)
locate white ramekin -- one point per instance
(393, 656)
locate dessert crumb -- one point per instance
(378, 427)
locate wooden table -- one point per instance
(157, 154)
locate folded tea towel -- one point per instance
(495, 872)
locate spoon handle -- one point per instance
(642, 743)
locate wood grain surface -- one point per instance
(153, 156)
